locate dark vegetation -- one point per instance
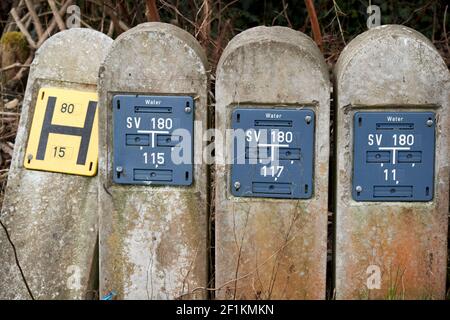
(25, 24)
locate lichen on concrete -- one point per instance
(52, 217)
(153, 239)
(391, 68)
(268, 248)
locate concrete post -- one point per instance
(153, 238)
(272, 248)
(392, 245)
(51, 218)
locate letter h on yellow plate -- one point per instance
(64, 132)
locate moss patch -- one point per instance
(15, 41)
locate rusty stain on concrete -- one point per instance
(153, 239)
(383, 69)
(267, 248)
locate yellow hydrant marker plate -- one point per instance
(64, 132)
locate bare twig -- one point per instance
(191, 267)
(22, 69)
(284, 14)
(26, 20)
(285, 6)
(273, 276)
(15, 65)
(58, 19)
(49, 30)
(110, 29)
(239, 246)
(35, 18)
(23, 29)
(204, 30)
(152, 11)
(119, 25)
(219, 42)
(338, 11)
(314, 22)
(12, 114)
(84, 23)
(429, 3)
(445, 30)
(249, 273)
(175, 9)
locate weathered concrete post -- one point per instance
(153, 228)
(392, 190)
(51, 217)
(271, 217)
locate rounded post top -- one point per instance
(275, 65)
(165, 30)
(74, 41)
(71, 55)
(373, 42)
(276, 35)
(391, 65)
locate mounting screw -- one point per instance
(29, 156)
(429, 122)
(119, 169)
(308, 119)
(358, 188)
(237, 185)
(187, 109)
